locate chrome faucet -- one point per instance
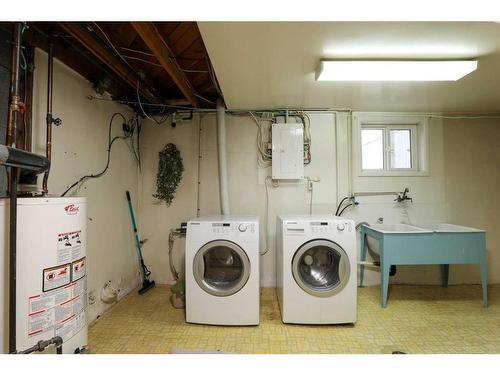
(403, 196)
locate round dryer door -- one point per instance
(321, 268)
(221, 268)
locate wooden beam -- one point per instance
(162, 51)
(109, 58)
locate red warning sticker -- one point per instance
(56, 277)
(78, 269)
(40, 322)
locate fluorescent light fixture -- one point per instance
(394, 70)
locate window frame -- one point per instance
(418, 126)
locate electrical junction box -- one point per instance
(288, 151)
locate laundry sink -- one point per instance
(448, 228)
(437, 243)
(398, 228)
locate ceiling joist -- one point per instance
(87, 39)
(163, 53)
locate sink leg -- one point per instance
(363, 258)
(445, 272)
(483, 265)
(384, 285)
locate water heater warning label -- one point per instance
(69, 246)
(62, 310)
(56, 277)
(71, 326)
(78, 269)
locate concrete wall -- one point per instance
(79, 147)
(435, 196)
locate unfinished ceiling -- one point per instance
(272, 64)
(155, 63)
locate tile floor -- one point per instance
(418, 319)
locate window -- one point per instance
(372, 141)
(390, 145)
(388, 148)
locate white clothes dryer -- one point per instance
(222, 270)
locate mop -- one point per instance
(146, 282)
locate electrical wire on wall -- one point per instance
(264, 121)
(134, 126)
(344, 204)
(129, 128)
(138, 141)
(158, 122)
(306, 120)
(311, 199)
(264, 156)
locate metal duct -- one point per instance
(17, 158)
(222, 156)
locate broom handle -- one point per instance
(137, 239)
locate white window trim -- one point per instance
(378, 120)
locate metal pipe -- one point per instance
(199, 168)
(374, 193)
(370, 264)
(14, 115)
(49, 119)
(41, 345)
(182, 108)
(222, 156)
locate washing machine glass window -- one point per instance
(321, 268)
(221, 268)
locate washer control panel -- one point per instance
(336, 226)
(227, 228)
(318, 228)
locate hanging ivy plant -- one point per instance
(169, 175)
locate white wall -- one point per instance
(79, 147)
(155, 219)
(330, 134)
(472, 186)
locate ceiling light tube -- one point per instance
(394, 70)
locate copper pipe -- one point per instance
(14, 116)
(49, 119)
(28, 101)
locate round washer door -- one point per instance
(221, 268)
(321, 268)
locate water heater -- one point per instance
(51, 272)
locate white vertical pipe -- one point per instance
(222, 156)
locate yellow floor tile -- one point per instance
(418, 319)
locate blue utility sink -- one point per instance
(444, 244)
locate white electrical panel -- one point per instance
(288, 151)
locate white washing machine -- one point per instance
(222, 270)
(316, 262)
